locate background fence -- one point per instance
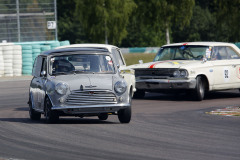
(28, 20)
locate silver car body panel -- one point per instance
(92, 83)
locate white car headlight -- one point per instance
(183, 73)
(180, 73)
(120, 87)
(176, 73)
(61, 88)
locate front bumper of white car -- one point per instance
(158, 84)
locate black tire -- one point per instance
(50, 115)
(139, 94)
(200, 89)
(103, 116)
(124, 115)
(32, 113)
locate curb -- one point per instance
(228, 111)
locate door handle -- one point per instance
(234, 65)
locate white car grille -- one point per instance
(155, 73)
(91, 97)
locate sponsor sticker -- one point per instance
(108, 58)
(208, 52)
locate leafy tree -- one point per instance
(104, 20)
(132, 23)
(163, 14)
(228, 20)
(202, 27)
(177, 12)
(141, 31)
(68, 26)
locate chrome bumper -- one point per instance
(91, 108)
(158, 84)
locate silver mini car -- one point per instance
(78, 82)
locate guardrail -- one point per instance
(140, 50)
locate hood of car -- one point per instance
(166, 64)
(86, 81)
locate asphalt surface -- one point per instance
(167, 127)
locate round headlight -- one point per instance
(120, 87)
(61, 88)
(183, 73)
(176, 73)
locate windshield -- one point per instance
(183, 53)
(81, 63)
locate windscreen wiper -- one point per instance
(60, 73)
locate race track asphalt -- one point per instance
(164, 127)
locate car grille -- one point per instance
(154, 73)
(91, 97)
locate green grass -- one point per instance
(133, 58)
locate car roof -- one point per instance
(78, 50)
(201, 44)
(89, 45)
(212, 44)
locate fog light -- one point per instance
(120, 99)
(61, 100)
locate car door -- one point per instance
(34, 88)
(41, 84)
(234, 58)
(224, 69)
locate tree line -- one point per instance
(143, 23)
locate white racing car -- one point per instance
(194, 67)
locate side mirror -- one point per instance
(43, 73)
(140, 61)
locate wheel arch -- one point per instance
(130, 91)
(47, 96)
(206, 81)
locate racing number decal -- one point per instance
(226, 74)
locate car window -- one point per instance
(182, 53)
(82, 63)
(118, 57)
(232, 54)
(219, 53)
(44, 65)
(37, 66)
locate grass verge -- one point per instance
(133, 58)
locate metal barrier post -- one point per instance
(18, 21)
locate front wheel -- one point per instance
(124, 115)
(199, 89)
(50, 115)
